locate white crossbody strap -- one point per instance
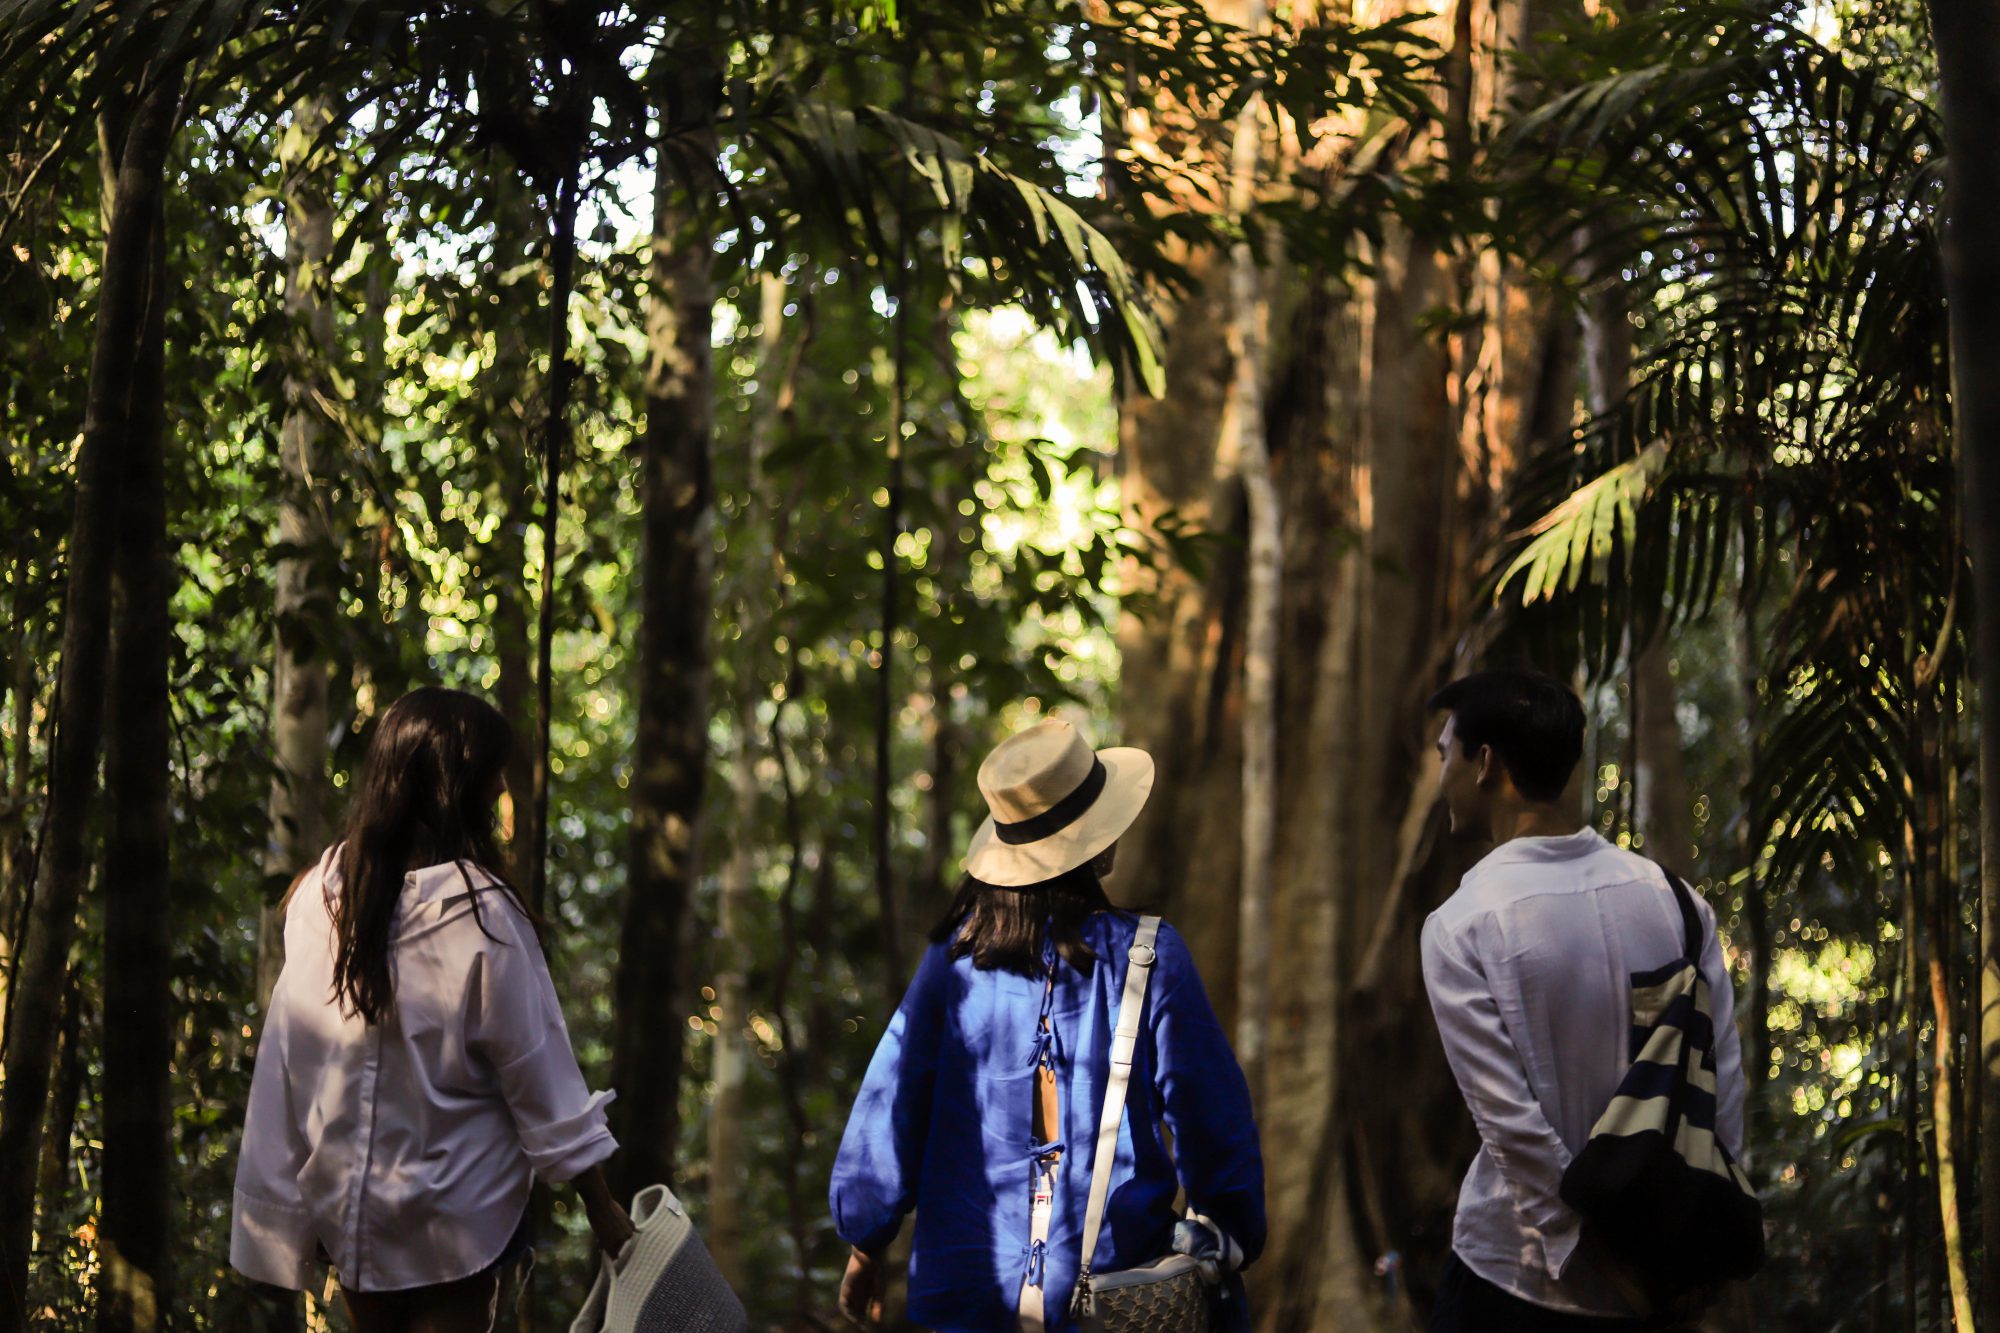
(1138, 971)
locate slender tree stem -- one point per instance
(673, 672)
(1264, 602)
(555, 439)
(885, 687)
(1967, 38)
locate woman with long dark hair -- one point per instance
(414, 1074)
(981, 1109)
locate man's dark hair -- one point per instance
(1533, 722)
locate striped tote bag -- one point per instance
(1653, 1180)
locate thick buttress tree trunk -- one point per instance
(301, 797)
(131, 283)
(1391, 446)
(670, 758)
(1968, 47)
(133, 1235)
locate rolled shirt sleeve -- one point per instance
(515, 1023)
(1206, 1101)
(1513, 1127)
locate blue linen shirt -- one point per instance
(944, 1122)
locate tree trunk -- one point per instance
(946, 732)
(1924, 834)
(889, 915)
(130, 284)
(1756, 899)
(555, 448)
(65, 1098)
(1944, 1093)
(1967, 35)
(1662, 813)
(555, 440)
(1390, 451)
(17, 838)
(792, 1061)
(1245, 438)
(732, 984)
(133, 1233)
(1909, 995)
(671, 746)
(508, 394)
(301, 798)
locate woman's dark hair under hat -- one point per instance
(1533, 721)
(1002, 928)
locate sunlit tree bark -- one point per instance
(301, 797)
(1390, 445)
(1245, 437)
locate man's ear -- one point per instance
(1488, 774)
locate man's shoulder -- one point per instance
(1510, 873)
(1503, 886)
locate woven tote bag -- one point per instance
(1653, 1179)
(664, 1281)
(1175, 1294)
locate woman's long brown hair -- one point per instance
(426, 796)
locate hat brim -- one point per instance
(1128, 782)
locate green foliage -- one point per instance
(936, 180)
(1790, 393)
(1763, 207)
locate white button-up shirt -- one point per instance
(1528, 966)
(407, 1148)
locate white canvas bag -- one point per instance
(663, 1281)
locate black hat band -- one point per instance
(1058, 816)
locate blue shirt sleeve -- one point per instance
(1206, 1102)
(881, 1154)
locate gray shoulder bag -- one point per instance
(1169, 1295)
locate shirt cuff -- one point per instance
(271, 1242)
(564, 1149)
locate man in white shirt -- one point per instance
(1528, 966)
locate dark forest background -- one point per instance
(772, 405)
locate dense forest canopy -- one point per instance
(770, 406)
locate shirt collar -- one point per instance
(443, 880)
(1523, 851)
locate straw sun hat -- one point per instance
(1055, 804)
